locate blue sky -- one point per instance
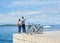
(35, 11)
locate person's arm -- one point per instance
(25, 19)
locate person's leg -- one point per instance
(19, 29)
(23, 26)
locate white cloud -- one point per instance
(12, 17)
(27, 3)
(35, 16)
(39, 16)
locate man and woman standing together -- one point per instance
(21, 23)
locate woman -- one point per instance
(19, 25)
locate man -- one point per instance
(23, 25)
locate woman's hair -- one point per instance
(19, 19)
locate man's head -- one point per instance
(22, 17)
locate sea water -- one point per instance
(6, 32)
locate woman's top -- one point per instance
(19, 23)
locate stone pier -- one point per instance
(35, 38)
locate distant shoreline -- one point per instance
(8, 25)
(26, 25)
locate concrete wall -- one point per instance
(36, 38)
